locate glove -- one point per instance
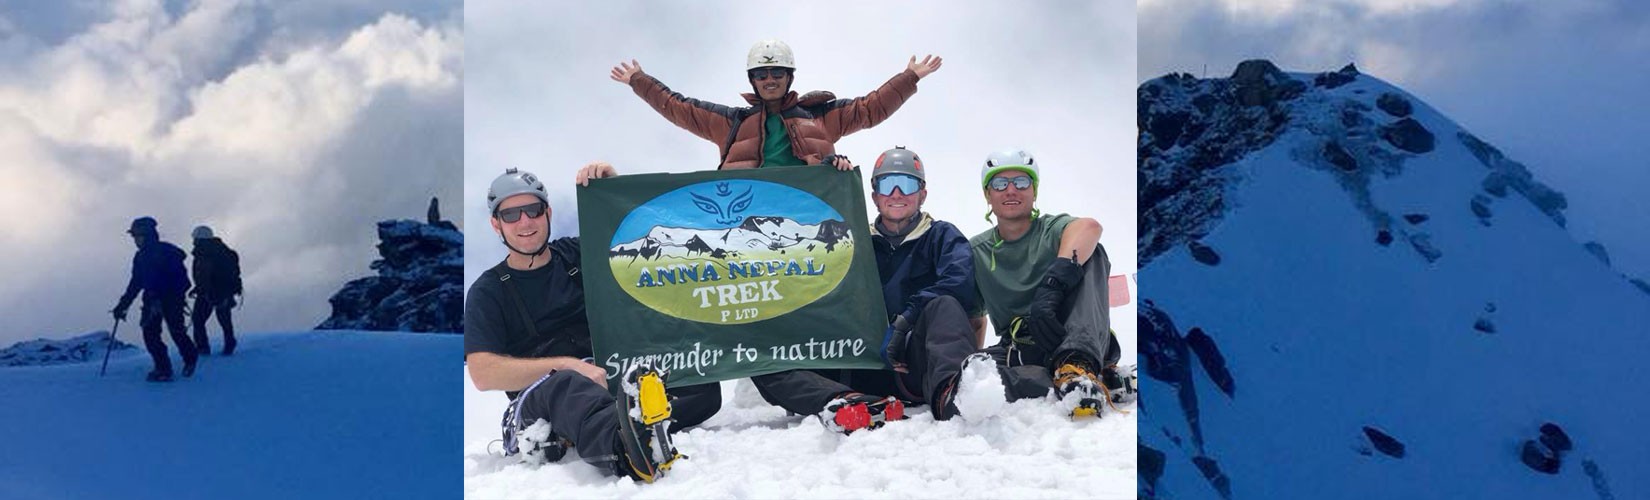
(120, 313)
(893, 343)
(1042, 321)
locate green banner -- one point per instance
(722, 275)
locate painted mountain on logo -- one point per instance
(764, 234)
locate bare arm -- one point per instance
(1080, 237)
(494, 372)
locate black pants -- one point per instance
(204, 307)
(939, 342)
(1086, 314)
(580, 410)
(170, 310)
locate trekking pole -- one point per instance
(109, 348)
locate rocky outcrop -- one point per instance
(1408, 135)
(419, 286)
(38, 352)
(1384, 443)
(1394, 104)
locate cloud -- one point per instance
(208, 114)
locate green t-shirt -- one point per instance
(1007, 272)
(776, 145)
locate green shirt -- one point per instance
(1007, 272)
(776, 145)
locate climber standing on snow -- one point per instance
(217, 272)
(157, 271)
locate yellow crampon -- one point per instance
(651, 399)
(1069, 371)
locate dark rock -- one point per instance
(419, 286)
(1507, 173)
(1211, 472)
(1601, 487)
(1555, 438)
(1334, 79)
(1422, 243)
(1597, 249)
(1539, 458)
(1394, 104)
(1481, 208)
(1641, 284)
(1496, 183)
(1408, 135)
(1150, 464)
(1384, 443)
(1383, 238)
(1168, 359)
(1415, 218)
(1484, 325)
(1209, 356)
(1489, 307)
(1257, 82)
(1203, 253)
(1337, 156)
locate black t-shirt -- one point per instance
(553, 296)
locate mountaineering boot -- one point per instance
(945, 401)
(1122, 382)
(189, 369)
(1076, 378)
(159, 376)
(854, 411)
(645, 450)
(537, 443)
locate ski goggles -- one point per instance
(1021, 183)
(906, 183)
(513, 214)
(775, 72)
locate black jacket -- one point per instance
(157, 271)
(216, 269)
(933, 260)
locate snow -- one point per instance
(980, 391)
(334, 414)
(754, 450)
(1328, 332)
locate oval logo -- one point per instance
(731, 252)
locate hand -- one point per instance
(120, 313)
(894, 340)
(595, 170)
(624, 71)
(1062, 276)
(929, 64)
(841, 162)
(590, 371)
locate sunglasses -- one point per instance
(760, 74)
(1021, 183)
(906, 183)
(513, 214)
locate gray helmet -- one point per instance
(201, 233)
(899, 161)
(512, 183)
(144, 225)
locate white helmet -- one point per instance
(201, 233)
(1008, 159)
(770, 52)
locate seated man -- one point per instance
(525, 333)
(927, 286)
(1043, 282)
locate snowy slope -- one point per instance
(753, 450)
(1325, 330)
(334, 414)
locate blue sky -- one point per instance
(1558, 86)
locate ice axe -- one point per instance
(110, 348)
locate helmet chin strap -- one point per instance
(533, 256)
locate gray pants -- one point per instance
(583, 412)
(1086, 315)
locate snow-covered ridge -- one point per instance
(78, 349)
(1343, 276)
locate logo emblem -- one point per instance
(731, 252)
